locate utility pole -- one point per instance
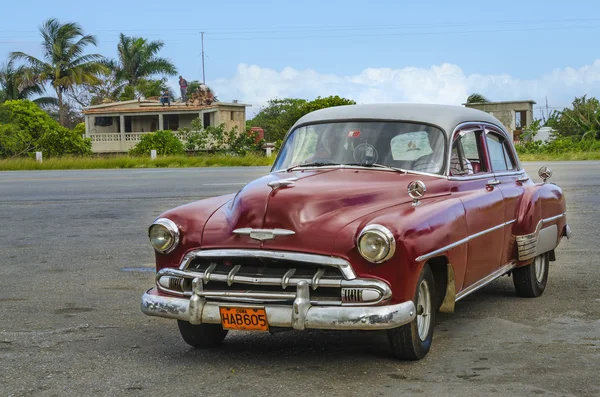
(203, 77)
(547, 111)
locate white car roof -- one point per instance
(445, 116)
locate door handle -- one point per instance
(523, 178)
(493, 182)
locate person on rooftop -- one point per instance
(166, 98)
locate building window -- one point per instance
(206, 120)
(520, 119)
(171, 122)
(103, 121)
(232, 116)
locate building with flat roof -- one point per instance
(514, 115)
(118, 126)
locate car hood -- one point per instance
(315, 207)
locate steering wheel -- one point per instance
(365, 154)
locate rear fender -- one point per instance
(540, 221)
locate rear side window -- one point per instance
(499, 153)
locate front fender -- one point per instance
(435, 223)
(191, 219)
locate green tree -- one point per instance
(64, 63)
(24, 127)
(580, 121)
(280, 114)
(138, 60)
(14, 84)
(477, 98)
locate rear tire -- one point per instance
(412, 341)
(530, 281)
(201, 336)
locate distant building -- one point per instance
(544, 134)
(118, 126)
(514, 115)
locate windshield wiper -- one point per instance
(313, 164)
(375, 165)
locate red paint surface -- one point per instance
(327, 209)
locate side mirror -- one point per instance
(416, 190)
(545, 173)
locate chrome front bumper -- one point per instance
(299, 316)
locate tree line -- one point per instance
(80, 78)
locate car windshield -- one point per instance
(409, 146)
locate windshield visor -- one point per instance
(410, 146)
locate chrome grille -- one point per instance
(254, 276)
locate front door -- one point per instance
(483, 202)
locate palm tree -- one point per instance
(477, 98)
(138, 60)
(64, 63)
(15, 85)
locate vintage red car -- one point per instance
(374, 217)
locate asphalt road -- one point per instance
(75, 260)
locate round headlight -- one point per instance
(164, 235)
(376, 243)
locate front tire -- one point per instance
(413, 341)
(530, 281)
(201, 336)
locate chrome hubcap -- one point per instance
(423, 310)
(540, 269)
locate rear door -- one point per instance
(512, 180)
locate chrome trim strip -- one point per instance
(263, 234)
(471, 177)
(464, 240)
(553, 218)
(329, 261)
(485, 281)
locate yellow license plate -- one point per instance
(244, 318)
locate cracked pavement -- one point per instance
(75, 261)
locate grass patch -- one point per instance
(117, 162)
(567, 156)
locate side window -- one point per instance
(466, 158)
(499, 153)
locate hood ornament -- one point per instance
(416, 190)
(282, 182)
(263, 234)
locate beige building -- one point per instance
(514, 115)
(119, 126)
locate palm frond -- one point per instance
(477, 98)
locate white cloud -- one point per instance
(445, 83)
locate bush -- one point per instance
(24, 127)
(60, 142)
(164, 142)
(217, 139)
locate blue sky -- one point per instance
(377, 51)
